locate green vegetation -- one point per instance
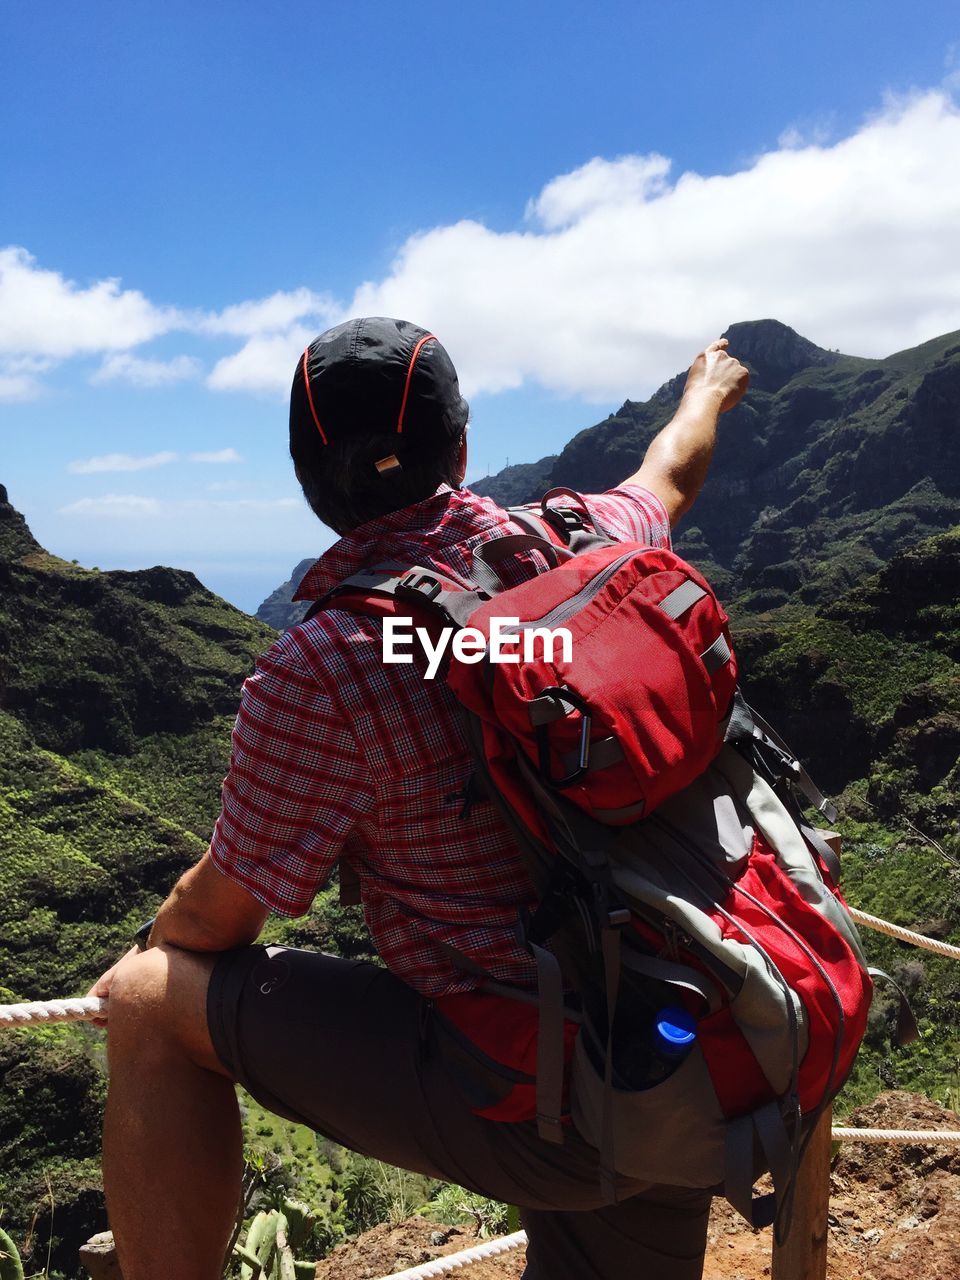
(454, 1204)
(829, 527)
(51, 1100)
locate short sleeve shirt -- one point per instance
(338, 757)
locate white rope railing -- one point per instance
(905, 935)
(841, 1134)
(454, 1261)
(81, 1010)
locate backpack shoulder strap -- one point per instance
(386, 589)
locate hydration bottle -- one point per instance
(668, 1039)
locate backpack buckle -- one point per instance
(566, 520)
(419, 584)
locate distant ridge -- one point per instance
(278, 610)
(97, 660)
(775, 353)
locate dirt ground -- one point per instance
(894, 1215)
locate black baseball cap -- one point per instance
(378, 376)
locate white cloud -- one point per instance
(181, 513)
(120, 462)
(124, 367)
(263, 504)
(46, 317)
(278, 313)
(238, 504)
(217, 456)
(951, 65)
(44, 314)
(277, 329)
(124, 506)
(599, 184)
(20, 377)
(263, 364)
(129, 505)
(818, 133)
(146, 462)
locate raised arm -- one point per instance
(676, 463)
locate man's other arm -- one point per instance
(206, 911)
(676, 463)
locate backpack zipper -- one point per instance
(561, 612)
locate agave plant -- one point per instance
(268, 1251)
(11, 1268)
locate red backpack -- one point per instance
(687, 909)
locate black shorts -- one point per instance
(354, 1053)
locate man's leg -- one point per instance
(172, 1146)
(660, 1234)
(344, 1047)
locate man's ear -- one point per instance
(462, 459)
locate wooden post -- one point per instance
(803, 1254)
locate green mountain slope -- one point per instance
(870, 675)
(117, 695)
(79, 863)
(117, 692)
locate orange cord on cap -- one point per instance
(306, 379)
(428, 337)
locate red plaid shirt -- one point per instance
(337, 756)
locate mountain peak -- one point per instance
(16, 540)
(774, 352)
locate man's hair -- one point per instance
(341, 482)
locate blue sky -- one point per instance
(575, 199)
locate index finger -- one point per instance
(720, 342)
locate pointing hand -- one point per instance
(716, 371)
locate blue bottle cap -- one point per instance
(676, 1027)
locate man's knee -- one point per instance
(158, 1003)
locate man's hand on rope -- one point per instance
(101, 987)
